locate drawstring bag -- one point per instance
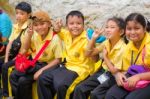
(133, 70)
(22, 63)
(137, 69)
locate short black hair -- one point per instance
(119, 21)
(121, 24)
(24, 6)
(75, 13)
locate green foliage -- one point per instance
(89, 19)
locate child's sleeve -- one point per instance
(100, 46)
(62, 34)
(120, 58)
(57, 49)
(12, 36)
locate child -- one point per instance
(23, 13)
(112, 54)
(22, 82)
(75, 42)
(5, 30)
(137, 28)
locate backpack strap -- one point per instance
(42, 49)
(21, 33)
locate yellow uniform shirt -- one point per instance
(128, 53)
(115, 55)
(17, 30)
(52, 51)
(75, 52)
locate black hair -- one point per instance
(24, 6)
(140, 19)
(121, 24)
(119, 21)
(75, 13)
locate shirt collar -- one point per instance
(23, 26)
(144, 42)
(49, 36)
(118, 45)
(82, 35)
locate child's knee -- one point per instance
(93, 95)
(78, 88)
(4, 67)
(22, 81)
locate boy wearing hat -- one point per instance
(36, 37)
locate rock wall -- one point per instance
(96, 11)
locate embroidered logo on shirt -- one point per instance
(76, 54)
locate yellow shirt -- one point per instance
(128, 53)
(52, 51)
(75, 52)
(17, 30)
(115, 54)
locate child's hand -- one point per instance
(120, 78)
(37, 74)
(30, 30)
(57, 25)
(133, 80)
(97, 33)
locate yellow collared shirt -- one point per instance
(75, 52)
(128, 52)
(17, 30)
(53, 50)
(115, 55)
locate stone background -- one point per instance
(96, 11)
